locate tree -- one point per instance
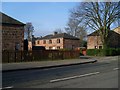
(28, 31)
(75, 29)
(82, 35)
(97, 16)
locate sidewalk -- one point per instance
(43, 64)
(55, 63)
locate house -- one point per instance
(29, 44)
(117, 30)
(12, 33)
(94, 40)
(58, 41)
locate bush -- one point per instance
(65, 50)
(81, 54)
(103, 52)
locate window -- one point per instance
(50, 47)
(100, 47)
(17, 46)
(44, 41)
(38, 42)
(58, 40)
(58, 47)
(95, 47)
(50, 41)
(3, 31)
(73, 46)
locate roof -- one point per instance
(117, 30)
(61, 35)
(5, 19)
(95, 33)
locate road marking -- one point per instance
(7, 87)
(78, 76)
(115, 68)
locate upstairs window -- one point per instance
(58, 40)
(73, 46)
(44, 41)
(38, 42)
(50, 41)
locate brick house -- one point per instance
(58, 41)
(12, 33)
(94, 40)
(117, 30)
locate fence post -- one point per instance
(21, 56)
(8, 56)
(31, 55)
(15, 56)
(52, 54)
(62, 55)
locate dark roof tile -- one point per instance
(96, 33)
(5, 19)
(62, 35)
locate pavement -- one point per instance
(6, 67)
(44, 64)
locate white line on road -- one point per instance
(115, 68)
(7, 87)
(78, 76)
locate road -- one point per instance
(93, 75)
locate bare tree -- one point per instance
(72, 26)
(82, 35)
(97, 16)
(75, 29)
(29, 31)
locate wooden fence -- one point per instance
(25, 56)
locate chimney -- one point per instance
(32, 36)
(55, 33)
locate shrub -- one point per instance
(81, 54)
(91, 52)
(65, 50)
(104, 52)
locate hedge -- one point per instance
(103, 52)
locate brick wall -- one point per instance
(94, 42)
(113, 41)
(47, 45)
(64, 43)
(71, 44)
(12, 35)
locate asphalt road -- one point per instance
(93, 75)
